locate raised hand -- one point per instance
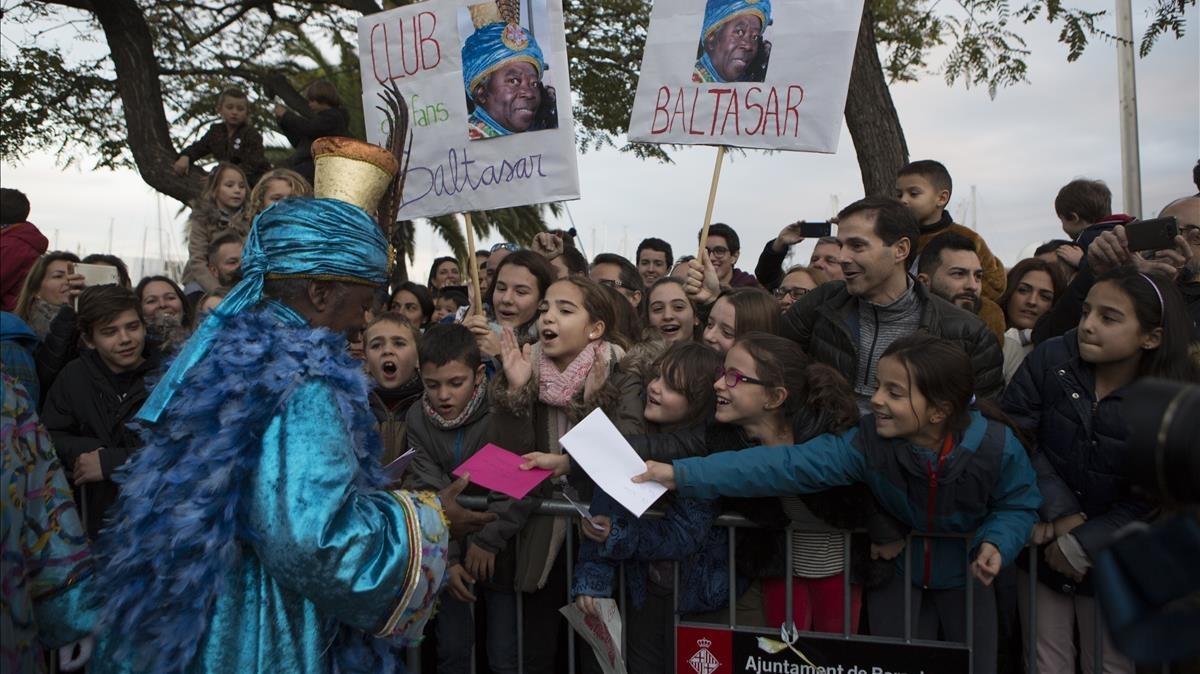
(484, 337)
(518, 361)
(181, 166)
(702, 284)
(788, 237)
(548, 244)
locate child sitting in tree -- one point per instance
(230, 140)
(925, 187)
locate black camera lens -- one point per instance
(1163, 455)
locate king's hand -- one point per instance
(461, 520)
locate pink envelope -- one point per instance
(499, 470)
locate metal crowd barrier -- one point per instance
(732, 522)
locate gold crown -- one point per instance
(352, 171)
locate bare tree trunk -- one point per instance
(136, 66)
(871, 116)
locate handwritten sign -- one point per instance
(490, 101)
(767, 74)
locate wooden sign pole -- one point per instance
(712, 197)
(477, 300)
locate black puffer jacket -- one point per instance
(1079, 443)
(88, 408)
(825, 324)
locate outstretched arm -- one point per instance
(823, 462)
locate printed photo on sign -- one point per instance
(470, 69)
(733, 42)
(505, 74)
(767, 74)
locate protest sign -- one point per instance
(489, 98)
(766, 74)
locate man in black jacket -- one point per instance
(848, 324)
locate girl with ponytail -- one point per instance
(935, 462)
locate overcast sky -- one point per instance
(1017, 150)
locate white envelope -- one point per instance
(604, 454)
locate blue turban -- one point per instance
(495, 44)
(296, 238)
(717, 12)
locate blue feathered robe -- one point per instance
(252, 534)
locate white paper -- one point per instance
(604, 454)
(603, 634)
(797, 104)
(419, 48)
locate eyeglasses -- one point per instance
(717, 251)
(510, 247)
(1191, 232)
(617, 285)
(733, 378)
(796, 293)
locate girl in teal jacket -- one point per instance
(934, 462)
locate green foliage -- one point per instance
(57, 101)
(48, 103)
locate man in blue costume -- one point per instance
(502, 73)
(255, 531)
(732, 48)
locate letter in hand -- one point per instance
(1058, 561)
(518, 362)
(598, 535)
(587, 605)
(559, 463)
(462, 521)
(458, 582)
(987, 563)
(662, 473)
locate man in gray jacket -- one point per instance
(848, 324)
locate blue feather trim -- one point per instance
(178, 526)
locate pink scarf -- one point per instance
(558, 388)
